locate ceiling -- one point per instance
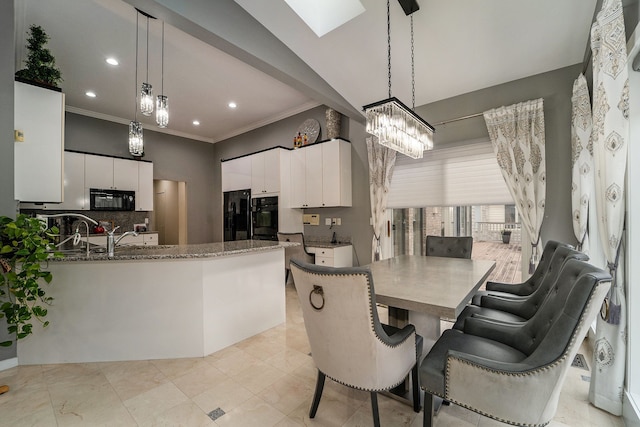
(460, 46)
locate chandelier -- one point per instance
(397, 126)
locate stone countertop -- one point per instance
(326, 245)
(204, 250)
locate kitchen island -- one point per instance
(159, 302)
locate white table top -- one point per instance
(434, 285)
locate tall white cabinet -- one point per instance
(38, 158)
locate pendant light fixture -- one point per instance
(146, 92)
(136, 140)
(162, 104)
(395, 125)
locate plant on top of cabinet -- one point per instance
(41, 65)
(25, 244)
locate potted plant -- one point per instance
(506, 236)
(41, 65)
(25, 245)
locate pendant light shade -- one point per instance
(136, 140)
(146, 99)
(397, 126)
(162, 111)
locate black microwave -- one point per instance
(112, 200)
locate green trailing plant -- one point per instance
(25, 246)
(41, 65)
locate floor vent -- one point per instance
(216, 413)
(580, 362)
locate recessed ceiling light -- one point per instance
(196, 123)
(112, 61)
(323, 16)
(232, 104)
(90, 94)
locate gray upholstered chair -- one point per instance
(294, 252)
(513, 372)
(521, 308)
(527, 287)
(450, 247)
(348, 342)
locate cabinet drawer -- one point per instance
(326, 261)
(323, 252)
(150, 239)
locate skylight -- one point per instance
(323, 16)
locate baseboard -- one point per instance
(631, 410)
(8, 363)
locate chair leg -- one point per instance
(317, 395)
(286, 277)
(416, 388)
(428, 410)
(374, 408)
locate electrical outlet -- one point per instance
(338, 221)
(327, 221)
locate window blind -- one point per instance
(467, 174)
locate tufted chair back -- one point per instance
(348, 342)
(294, 252)
(450, 247)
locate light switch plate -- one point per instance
(327, 221)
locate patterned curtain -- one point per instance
(610, 137)
(517, 136)
(381, 162)
(582, 161)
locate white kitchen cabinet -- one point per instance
(146, 239)
(321, 175)
(110, 173)
(339, 256)
(74, 196)
(38, 159)
(236, 174)
(150, 239)
(144, 195)
(265, 172)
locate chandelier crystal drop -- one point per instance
(136, 139)
(162, 111)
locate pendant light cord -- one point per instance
(413, 74)
(389, 45)
(147, 80)
(162, 66)
(135, 83)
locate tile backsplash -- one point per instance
(124, 219)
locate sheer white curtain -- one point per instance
(610, 135)
(582, 161)
(517, 136)
(381, 163)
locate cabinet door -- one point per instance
(98, 171)
(298, 179)
(38, 160)
(271, 161)
(125, 174)
(314, 197)
(331, 173)
(150, 239)
(73, 182)
(236, 174)
(257, 174)
(144, 196)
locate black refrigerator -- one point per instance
(237, 215)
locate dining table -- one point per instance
(424, 290)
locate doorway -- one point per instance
(170, 211)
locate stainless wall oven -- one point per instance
(264, 218)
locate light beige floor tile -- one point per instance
(235, 363)
(220, 354)
(332, 412)
(287, 393)
(391, 412)
(23, 376)
(40, 418)
(199, 380)
(253, 412)
(307, 371)
(226, 395)
(174, 368)
(186, 414)
(288, 360)
(17, 403)
(258, 376)
(71, 374)
(289, 422)
(145, 407)
(130, 379)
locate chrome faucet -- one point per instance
(112, 241)
(83, 219)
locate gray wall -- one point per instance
(355, 219)
(555, 87)
(7, 202)
(174, 158)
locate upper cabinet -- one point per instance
(321, 175)
(38, 158)
(74, 197)
(144, 195)
(265, 172)
(110, 173)
(236, 174)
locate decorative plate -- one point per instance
(312, 128)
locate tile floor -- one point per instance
(267, 380)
